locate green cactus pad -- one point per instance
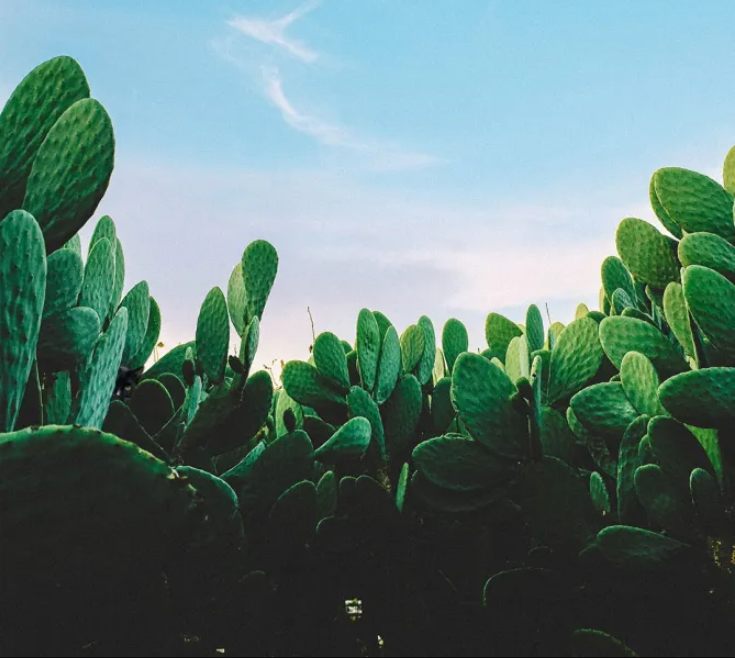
(640, 383)
(518, 359)
(647, 254)
(67, 338)
(389, 366)
(97, 378)
(695, 201)
(628, 508)
(412, 348)
(442, 411)
(575, 359)
(591, 643)
(461, 464)
(152, 405)
(708, 250)
(150, 339)
(660, 498)
(292, 519)
(711, 300)
(175, 388)
(57, 399)
(236, 300)
(482, 396)
(535, 334)
(259, 269)
(499, 331)
(30, 112)
(331, 361)
(707, 501)
(104, 228)
(63, 281)
(99, 279)
(361, 404)
(599, 495)
(636, 548)
(670, 225)
(454, 341)
(424, 494)
(22, 292)
(121, 422)
(349, 442)
(620, 335)
(119, 283)
(306, 385)
(425, 367)
(557, 439)
(675, 449)
(326, 495)
(138, 304)
(705, 398)
(676, 312)
(401, 415)
(604, 409)
(368, 348)
(172, 361)
(213, 335)
(728, 171)
(71, 171)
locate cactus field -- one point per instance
(562, 490)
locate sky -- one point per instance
(447, 158)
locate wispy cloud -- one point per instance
(273, 32)
(381, 155)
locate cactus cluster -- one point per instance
(564, 490)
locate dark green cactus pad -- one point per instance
(213, 335)
(604, 409)
(412, 347)
(239, 473)
(99, 278)
(708, 250)
(423, 494)
(104, 228)
(711, 300)
(259, 269)
(677, 316)
(401, 415)
(675, 449)
(458, 463)
(172, 361)
(648, 255)
(592, 643)
(535, 334)
(360, 403)
(350, 441)
(32, 109)
(628, 508)
(442, 411)
(63, 281)
(305, 384)
(119, 283)
(236, 301)
(402, 487)
(326, 495)
(705, 398)
(383, 324)
(71, 171)
(284, 404)
(113, 495)
(575, 359)
(670, 225)
(23, 276)
(636, 548)
(331, 361)
(454, 341)
(368, 348)
(249, 344)
(220, 505)
(67, 338)
(555, 436)
(57, 399)
(425, 367)
(292, 519)
(695, 201)
(599, 495)
(620, 335)
(661, 499)
(482, 393)
(152, 405)
(150, 340)
(175, 388)
(74, 243)
(138, 304)
(708, 502)
(97, 378)
(622, 301)
(499, 331)
(640, 382)
(389, 365)
(121, 422)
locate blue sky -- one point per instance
(443, 157)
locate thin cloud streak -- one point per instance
(273, 32)
(382, 156)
